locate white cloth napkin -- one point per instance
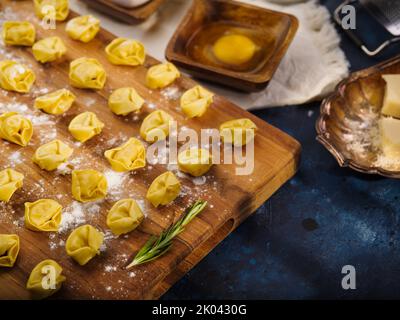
(312, 67)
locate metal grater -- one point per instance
(386, 12)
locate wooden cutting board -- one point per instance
(231, 198)
(129, 15)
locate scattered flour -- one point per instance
(171, 92)
(115, 182)
(72, 217)
(15, 158)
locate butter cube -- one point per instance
(391, 102)
(390, 137)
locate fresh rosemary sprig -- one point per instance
(155, 247)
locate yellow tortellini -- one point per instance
(49, 49)
(43, 215)
(50, 155)
(42, 287)
(164, 189)
(56, 102)
(122, 51)
(195, 101)
(88, 185)
(16, 77)
(124, 216)
(10, 181)
(155, 127)
(84, 243)
(15, 128)
(195, 161)
(161, 75)
(9, 249)
(238, 132)
(87, 73)
(83, 28)
(20, 33)
(58, 9)
(130, 156)
(125, 100)
(85, 126)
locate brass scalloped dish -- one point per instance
(348, 124)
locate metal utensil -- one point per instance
(386, 12)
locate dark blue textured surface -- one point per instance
(294, 247)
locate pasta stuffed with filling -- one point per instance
(122, 51)
(16, 77)
(56, 102)
(124, 101)
(49, 49)
(83, 28)
(195, 161)
(87, 73)
(84, 243)
(50, 155)
(155, 127)
(52, 9)
(124, 217)
(164, 189)
(18, 33)
(10, 181)
(161, 75)
(128, 157)
(42, 287)
(238, 132)
(85, 126)
(9, 249)
(195, 101)
(88, 185)
(43, 215)
(15, 128)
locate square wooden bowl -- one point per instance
(205, 21)
(128, 15)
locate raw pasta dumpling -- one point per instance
(9, 249)
(19, 33)
(130, 156)
(87, 73)
(155, 127)
(238, 132)
(84, 243)
(15, 128)
(56, 102)
(85, 126)
(49, 49)
(161, 75)
(45, 279)
(164, 189)
(195, 101)
(125, 100)
(122, 51)
(124, 216)
(83, 28)
(88, 185)
(195, 161)
(10, 181)
(50, 155)
(16, 77)
(43, 215)
(52, 9)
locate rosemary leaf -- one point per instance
(155, 247)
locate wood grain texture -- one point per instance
(128, 15)
(232, 198)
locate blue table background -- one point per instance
(295, 245)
